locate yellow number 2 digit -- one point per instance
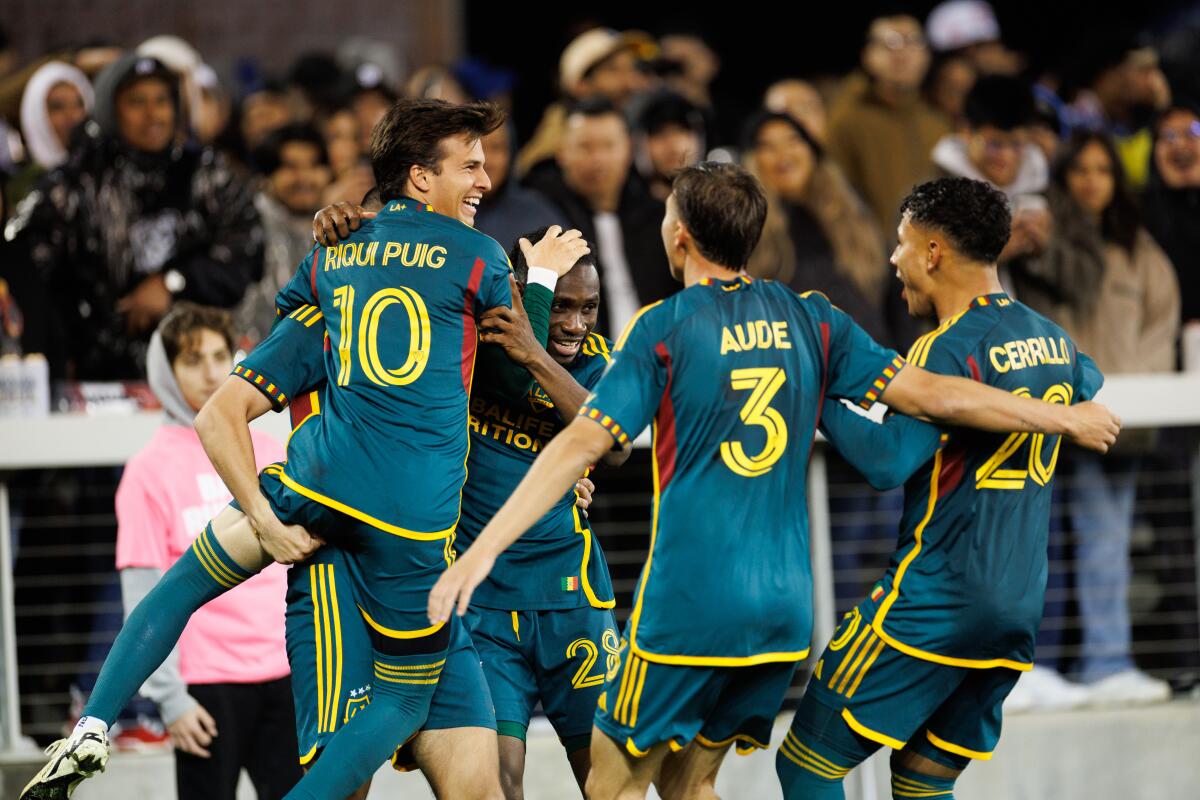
(763, 383)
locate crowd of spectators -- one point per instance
(137, 178)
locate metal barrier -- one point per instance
(1164, 597)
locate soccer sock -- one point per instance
(203, 572)
(907, 783)
(806, 774)
(400, 696)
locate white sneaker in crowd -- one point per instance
(1043, 689)
(1131, 687)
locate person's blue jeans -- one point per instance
(1100, 493)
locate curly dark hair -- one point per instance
(180, 329)
(973, 215)
(516, 256)
(411, 132)
(724, 208)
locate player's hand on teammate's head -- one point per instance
(336, 222)
(509, 328)
(558, 250)
(584, 489)
(287, 544)
(452, 593)
(1096, 428)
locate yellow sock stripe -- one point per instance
(817, 763)
(857, 661)
(408, 667)
(871, 660)
(215, 574)
(316, 598)
(327, 636)
(427, 681)
(637, 694)
(813, 754)
(901, 792)
(800, 759)
(911, 785)
(219, 565)
(336, 694)
(848, 657)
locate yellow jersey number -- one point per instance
(368, 335)
(585, 647)
(997, 473)
(763, 383)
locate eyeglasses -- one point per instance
(1192, 131)
(894, 40)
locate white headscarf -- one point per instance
(40, 140)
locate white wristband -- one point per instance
(542, 277)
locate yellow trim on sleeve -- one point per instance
(362, 516)
(958, 750)
(308, 757)
(391, 633)
(629, 327)
(867, 733)
(586, 533)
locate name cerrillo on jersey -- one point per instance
(1022, 353)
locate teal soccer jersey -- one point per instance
(558, 564)
(732, 375)
(399, 300)
(965, 586)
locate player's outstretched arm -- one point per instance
(554, 472)
(223, 425)
(887, 453)
(959, 401)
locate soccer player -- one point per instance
(732, 373)
(379, 470)
(924, 663)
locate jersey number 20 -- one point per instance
(994, 475)
(368, 335)
(763, 383)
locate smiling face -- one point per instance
(460, 181)
(1177, 149)
(996, 153)
(65, 110)
(300, 177)
(574, 312)
(146, 115)
(911, 258)
(783, 159)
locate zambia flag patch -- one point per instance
(570, 584)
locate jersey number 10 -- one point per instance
(994, 475)
(368, 335)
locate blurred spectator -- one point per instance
(370, 100)
(508, 210)
(214, 109)
(315, 81)
(597, 63)
(994, 147)
(1172, 201)
(1045, 129)
(182, 59)
(224, 692)
(263, 110)
(880, 131)
(57, 98)
(818, 234)
(802, 102)
(946, 86)
(436, 83)
(132, 221)
(295, 171)
(969, 29)
(351, 172)
(668, 135)
(1116, 85)
(698, 63)
(1111, 287)
(592, 182)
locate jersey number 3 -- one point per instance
(368, 335)
(762, 383)
(994, 475)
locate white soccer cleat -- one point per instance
(72, 760)
(1043, 689)
(1131, 687)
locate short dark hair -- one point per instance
(723, 207)
(592, 107)
(973, 215)
(1121, 220)
(269, 155)
(1001, 101)
(184, 322)
(411, 133)
(516, 256)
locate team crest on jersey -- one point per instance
(538, 399)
